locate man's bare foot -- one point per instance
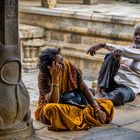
(101, 95)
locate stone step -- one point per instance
(30, 31)
(76, 53)
(110, 28)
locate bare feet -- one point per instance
(100, 93)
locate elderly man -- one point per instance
(119, 77)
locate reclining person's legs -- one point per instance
(119, 94)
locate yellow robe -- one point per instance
(67, 117)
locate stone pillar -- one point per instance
(48, 3)
(134, 1)
(90, 1)
(15, 115)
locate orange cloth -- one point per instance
(63, 116)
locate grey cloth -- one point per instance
(129, 71)
(118, 93)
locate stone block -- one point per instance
(134, 1)
(90, 1)
(125, 115)
(75, 39)
(48, 3)
(113, 134)
(29, 31)
(133, 126)
(54, 35)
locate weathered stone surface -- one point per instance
(90, 1)
(109, 29)
(113, 134)
(125, 115)
(15, 115)
(136, 102)
(34, 43)
(70, 135)
(55, 35)
(29, 31)
(134, 126)
(48, 3)
(81, 26)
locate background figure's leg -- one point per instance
(121, 95)
(108, 71)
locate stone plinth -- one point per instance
(90, 1)
(48, 3)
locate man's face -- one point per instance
(136, 35)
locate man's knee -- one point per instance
(109, 55)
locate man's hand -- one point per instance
(93, 49)
(117, 54)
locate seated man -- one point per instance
(58, 77)
(119, 84)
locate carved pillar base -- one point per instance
(90, 1)
(21, 131)
(31, 51)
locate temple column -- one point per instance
(15, 115)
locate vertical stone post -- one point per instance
(90, 1)
(15, 115)
(134, 1)
(48, 3)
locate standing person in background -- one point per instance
(119, 77)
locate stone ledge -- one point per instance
(79, 49)
(34, 43)
(107, 32)
(110, 30)
(80, 15)
(29, 31)
(76, 53)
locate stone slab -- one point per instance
(134, 126)
(113, 134)
(136, 102)
(70, 135)
(125, 115)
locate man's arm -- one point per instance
(128, 52)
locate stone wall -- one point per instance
(75, 32)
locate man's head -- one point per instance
(136, 34)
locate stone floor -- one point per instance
(125, 124)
